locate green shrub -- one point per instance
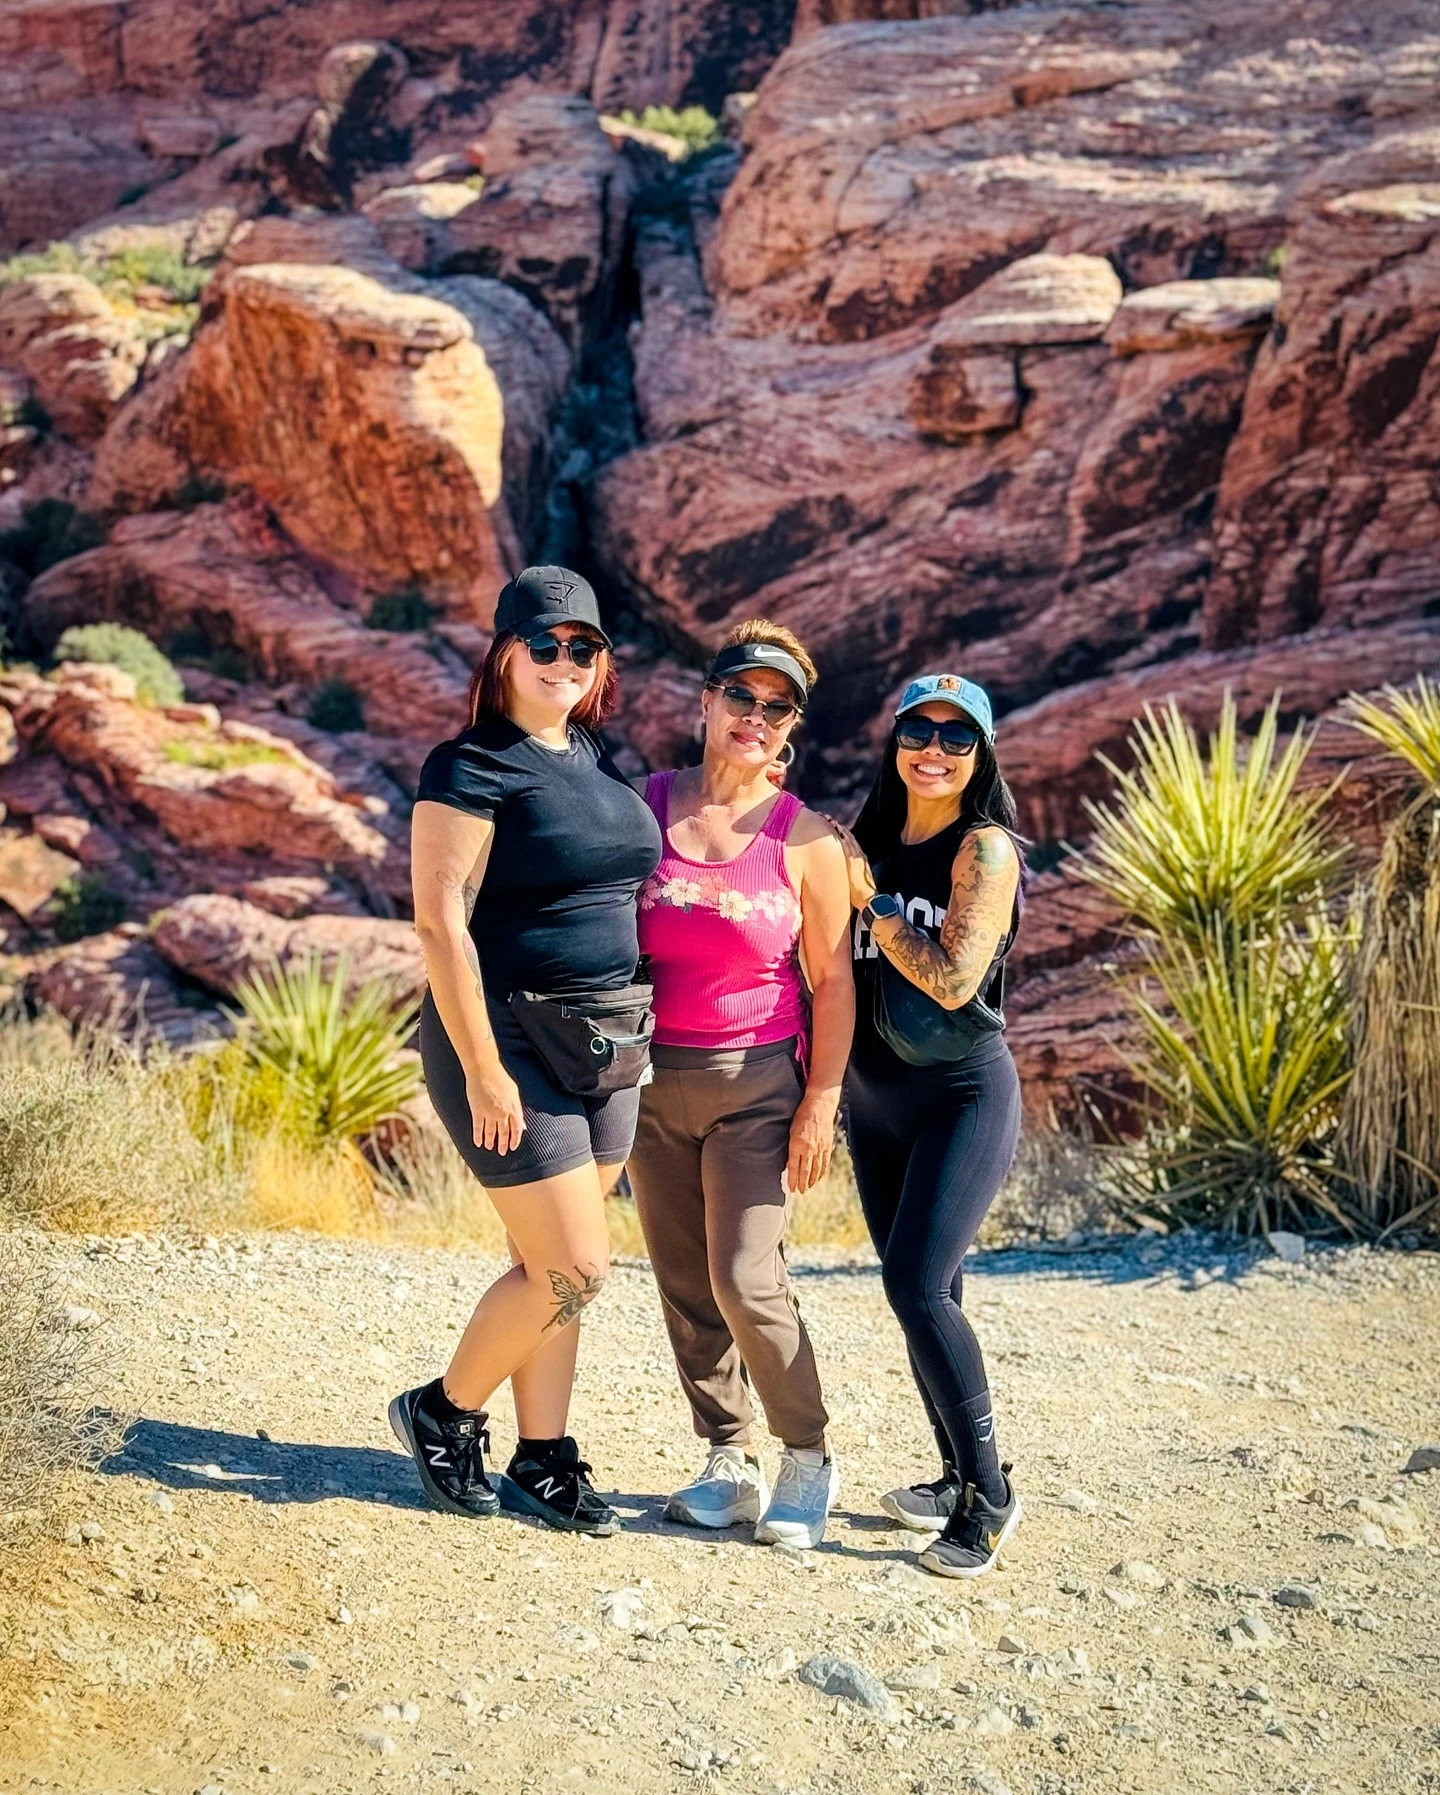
(1244, 1062)
(85, 905)
(1194, 838)
(51, 530)
(408, 609)
(696, 128)
(335, 1048)
(335, 706)
(116, 645)
(217, 756)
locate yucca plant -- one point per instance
(1390, 1125)
(1243, 1062)
(1194, 837)
(337, 1049)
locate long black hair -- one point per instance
(986, 799)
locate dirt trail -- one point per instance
(254, 1598)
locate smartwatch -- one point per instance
(881, 905)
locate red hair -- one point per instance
(488, 694)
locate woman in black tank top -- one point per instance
(935, 881)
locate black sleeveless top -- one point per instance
(919, 876)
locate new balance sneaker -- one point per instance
(974, 1534)
(924, 1507)
(549, 1479)
(449, 1453)
(731, 1488)
(805, 1487)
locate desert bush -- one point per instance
(1061, 1180)
(53, 1379)
(1390, 1123)
(335, 707)
(117, 645)
(1224, 871)
(95, 1136)
(696, 128)
(119, 275)
(408, 609)
(1243, 1062)
(1194, 837)
(85, 905)
(49, 531)
(218, 756)
(338, 1050)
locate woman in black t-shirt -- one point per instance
(528, 849)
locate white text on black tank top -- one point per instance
(919, 912)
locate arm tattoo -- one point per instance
(459, 890)
(570, 1297)
(472, 960)
(950, 970)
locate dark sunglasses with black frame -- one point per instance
(915, 733)
(740, 701)
(546, 648)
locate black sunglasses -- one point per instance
(545, 650)
(919, 732)
(740, 701)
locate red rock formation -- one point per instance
(1329, 512)
(62, 336)
(118, 980)
(222, 941)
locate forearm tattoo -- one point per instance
(459, 891)
(950, 969)
(472, 960)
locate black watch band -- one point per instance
(881, 905)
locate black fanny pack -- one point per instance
(924, 1033)
(591, 1046)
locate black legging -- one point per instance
(931, 1148)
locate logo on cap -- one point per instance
(948, 683)
(563, 587)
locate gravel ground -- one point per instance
(1223, 1581)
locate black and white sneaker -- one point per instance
(924, 1507)
(549, 1479)
(449, 1454)
(974, 1534)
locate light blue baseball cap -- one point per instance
(948, 688)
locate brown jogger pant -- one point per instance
(706, 1169)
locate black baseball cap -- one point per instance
(741, 657)
(540, 597)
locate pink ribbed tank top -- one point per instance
(723, 938)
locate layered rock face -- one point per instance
(969, 373)
(105, 101)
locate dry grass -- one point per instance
(53, 1377)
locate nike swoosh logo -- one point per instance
(992, 1542)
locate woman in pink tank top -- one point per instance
(751, 899)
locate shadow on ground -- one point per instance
(208, 1458)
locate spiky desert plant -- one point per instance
(1243, 1060)
(337, 1049)
(1390, 1125)
(1195, 837)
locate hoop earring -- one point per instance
(786, 755)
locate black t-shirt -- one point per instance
(919, 876)
(573, 843)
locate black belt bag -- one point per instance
(591, 1046)
(924, 1033)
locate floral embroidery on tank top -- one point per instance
(712, 891)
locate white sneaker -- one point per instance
(731, 1488)
(805, 1488)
